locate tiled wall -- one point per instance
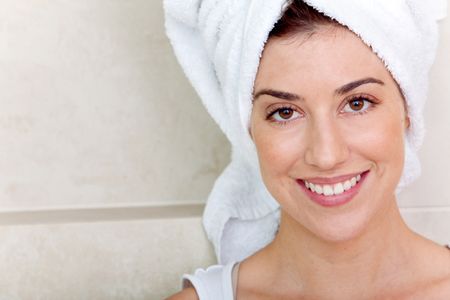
(95, 109)
(108, 259)
(107, 155)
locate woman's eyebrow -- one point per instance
(277, 94)
(340, 91)
(353, 85)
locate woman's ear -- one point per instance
(250, 124)
(407, 122)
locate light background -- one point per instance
(107, 155)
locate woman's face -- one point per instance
(328, 122)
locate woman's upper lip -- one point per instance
(332, 180)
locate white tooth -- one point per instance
(327, 190)
(347, 185)
(358, 178)
(353, 181)
(311, 187)
(318, 189)
(338, 188)
(307, 184)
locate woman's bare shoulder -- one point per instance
(438, 286)
(440, 290)
(185, 294)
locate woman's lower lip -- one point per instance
(334, 200)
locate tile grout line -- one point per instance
(425, 209)
(100, 214)
(130, 213)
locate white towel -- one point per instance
(219, 43)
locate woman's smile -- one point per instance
(334, 191)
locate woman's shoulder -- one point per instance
(437, 290)
(213, 283)
(185, 294)
(436, 272)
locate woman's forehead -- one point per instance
(326, 54)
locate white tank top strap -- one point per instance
(214, 283)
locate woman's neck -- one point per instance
(360, 266)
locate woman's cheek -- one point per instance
(379, 140)
(278, 149)
(277, 154)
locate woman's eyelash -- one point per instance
(272, 111)
(362, 105)
(367, 102)
(278, 109)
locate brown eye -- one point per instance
(358, 105)
(286, 113)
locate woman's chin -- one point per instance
(338, 229)
(340, 234)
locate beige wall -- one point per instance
(95, 110)
(101, 132)
(431, 189)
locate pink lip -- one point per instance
(331, 180)
(335, 200)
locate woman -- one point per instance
(330, 122)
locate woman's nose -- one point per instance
(326, 145)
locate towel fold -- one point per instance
(219, 44)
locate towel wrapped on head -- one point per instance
(219, 44)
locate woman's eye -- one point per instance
(284, 114)
(357, 105)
